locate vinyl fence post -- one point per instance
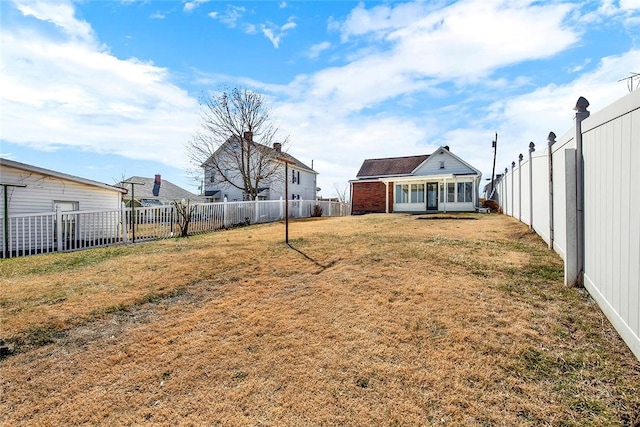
(520, 157)
(571, 269)
(513, 166)
(256, 203)
(551, 139)
(225, 211)
(281, 208)
(581, 114)
(123, 222)
(59, 245)
(532, 148)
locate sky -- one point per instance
(105, 90)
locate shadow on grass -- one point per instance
(321, 266)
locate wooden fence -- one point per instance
(578, 193)
(60, 231)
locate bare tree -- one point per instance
(185, 211)
(342, 191)
(236, 141)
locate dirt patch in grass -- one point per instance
(364, 320)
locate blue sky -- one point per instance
(106, 89)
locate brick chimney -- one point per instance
(277, 146)
(248, 136)
(156, 185)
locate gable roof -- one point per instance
(168, 190)
(60, 175)
(269, 151)
(390, 166)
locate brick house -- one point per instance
(437, 182)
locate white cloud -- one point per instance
(190, 6)
(60, 14)
(79, 95)
(317, 49)
(230, 16)
(275, 33)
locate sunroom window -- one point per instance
(465, 192)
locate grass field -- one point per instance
(365, 320)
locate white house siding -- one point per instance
(41, 191)
(41, 194)
(452, 166)
(306, 188)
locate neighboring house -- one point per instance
(440, 182)
(301, 178)
(46, 188)
(155, 192)
(488, 192)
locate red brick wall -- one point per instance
(369, 197)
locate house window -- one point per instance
(212, 178)
(410, 193)
(298, 177)
(417, 193)
(451, 192)
(465, 192)
(293, 177)
(441, 164)
(402, 193)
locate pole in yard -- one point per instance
(6, 216)
(133, 228)
(286, 197)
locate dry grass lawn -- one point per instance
(364, 320)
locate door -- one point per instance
(432, 196)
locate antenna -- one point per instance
(630, 81)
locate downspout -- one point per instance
(551, 139)
(581, 114)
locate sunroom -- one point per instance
(434, 193)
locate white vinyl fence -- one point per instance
(60, 231)
(582, 199)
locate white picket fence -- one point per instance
(579, 194)
(59, 231)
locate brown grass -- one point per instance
(368, 320)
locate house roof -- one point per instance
(167, 191)
(60, 175)
(271, 152)
(390, 166)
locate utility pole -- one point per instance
(493, 171)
